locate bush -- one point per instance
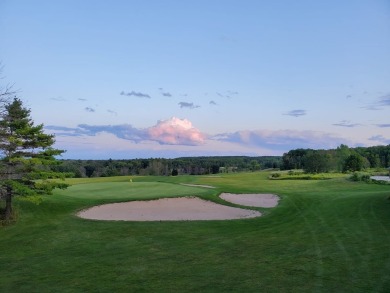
(297, 175)
(360, 176)
(292, 173)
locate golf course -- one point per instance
(326, 235)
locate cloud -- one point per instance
(136, 94)
(295, 113)
(124, 131)
(188, 105)
(53, 127)
(178, 137)
(383, 101)
(380, 138)
(345, 123)
(383, 125)
(83, 100)
(213, 103)
(228, 94)
(58, 99)
(89, 109)
(176, 131)
(372, 108)
(348, 96)
(173, 131)
(63, 131)
(112, 112)
(166, 94)
(283, 140)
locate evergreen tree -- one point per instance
(26, 157)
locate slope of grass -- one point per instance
(325, 236)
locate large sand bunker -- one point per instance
(167, 209)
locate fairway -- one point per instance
(324, 236)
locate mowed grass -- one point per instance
(325, 236)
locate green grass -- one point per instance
(325, 236)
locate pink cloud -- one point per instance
(176, 131)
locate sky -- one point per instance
(142, 79)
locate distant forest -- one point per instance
(341, 159)
(166, 167)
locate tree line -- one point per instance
(166, 167)
(341, 159)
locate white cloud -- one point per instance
(176, 131)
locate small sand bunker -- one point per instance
(252, 200)
(380, 178)
(197, 185)
(166, 209)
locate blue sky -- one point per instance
(127, 79)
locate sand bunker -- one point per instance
(167, 209)
(380, 178)
(252, 200)
(197, 185)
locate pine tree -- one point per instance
(26, 154)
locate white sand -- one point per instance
(380, 178)
(167, 209)
(252, 200)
